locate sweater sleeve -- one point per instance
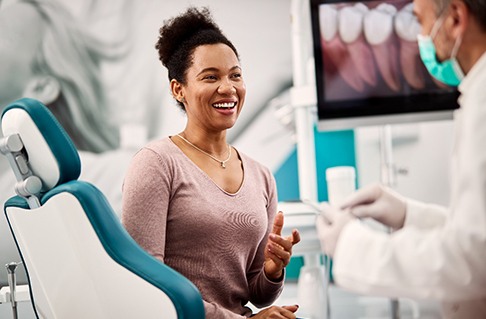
(146, 191)
(264, 291)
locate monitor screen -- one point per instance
(368, 67)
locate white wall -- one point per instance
(423, 149)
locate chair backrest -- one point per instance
(79, 259)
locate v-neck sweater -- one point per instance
(216, 239)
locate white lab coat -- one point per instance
(439, 254)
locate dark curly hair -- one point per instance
(181, 35)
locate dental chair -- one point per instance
(80, 261)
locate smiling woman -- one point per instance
(194, 201)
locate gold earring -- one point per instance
(182, 100)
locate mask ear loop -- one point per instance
(456, 47)
(438, 23)
(456, 65)
(436, 27)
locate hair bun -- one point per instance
(180, 29)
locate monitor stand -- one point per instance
(388, 179)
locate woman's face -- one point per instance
(215, 90)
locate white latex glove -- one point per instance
(329, 227)
(377, 202)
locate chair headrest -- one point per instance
(51, 154)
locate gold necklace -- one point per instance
(222, 163)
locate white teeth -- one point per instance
(406, 25)
(328, 22)
(361, 7)
(378, 23)
(224, 105)
(351, 22)
(387, 8)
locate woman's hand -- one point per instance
(279, 249)
(276, 312)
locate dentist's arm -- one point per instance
(393, 210)
(379, 203)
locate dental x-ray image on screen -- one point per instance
(368, 67)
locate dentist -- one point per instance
(436, 252)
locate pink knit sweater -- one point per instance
(214, 238)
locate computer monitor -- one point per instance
(368, 67)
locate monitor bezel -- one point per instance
(352, 113)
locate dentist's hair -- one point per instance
(477, 8)
(181, 35)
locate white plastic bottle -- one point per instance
(313, 285)
(341, 182)
(312, 290)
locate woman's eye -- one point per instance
(237, 75)
(210, 77)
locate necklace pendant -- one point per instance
(222, 165)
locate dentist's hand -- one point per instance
(379, 203)
(279, 249)
(329, 227)
(275, 312)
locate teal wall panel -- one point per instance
(332, 149)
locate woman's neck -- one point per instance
(213, 143)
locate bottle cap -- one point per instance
(340, 172)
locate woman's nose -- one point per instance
(226, 87)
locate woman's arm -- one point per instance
(146, 193)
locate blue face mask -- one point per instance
(448, 71)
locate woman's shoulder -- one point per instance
(162, 148)
(161, 145)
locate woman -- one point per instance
(195, 202)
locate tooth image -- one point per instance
(351, 33)
(378, 31)
(407, 29)
(335, 51)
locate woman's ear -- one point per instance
(44, 88)
(176, 89)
